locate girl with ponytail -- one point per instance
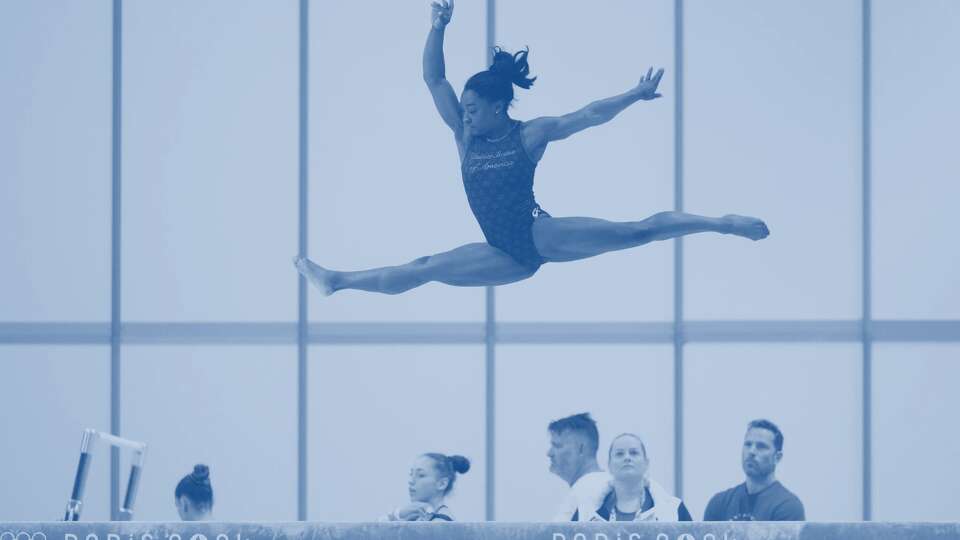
(432, 477)
(498, 157)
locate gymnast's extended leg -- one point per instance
(561, 239)
(471, 265)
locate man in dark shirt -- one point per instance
(761, 497)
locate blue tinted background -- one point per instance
(681, 342)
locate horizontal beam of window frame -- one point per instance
(285, 333)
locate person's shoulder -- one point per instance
(727, 493)
(594, 477)
(788, 506)
(443, 514)
(592, 483)
(782, 491)
(590, 490)
(718, 503)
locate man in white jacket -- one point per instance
(573, 457)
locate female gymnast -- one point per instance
(498, 157)
(194, 495)
(431, 479)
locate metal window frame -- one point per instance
(488, 332)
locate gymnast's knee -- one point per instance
(400, 279)
(663, 218)
(649, 229)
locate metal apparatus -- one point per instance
(90, 436)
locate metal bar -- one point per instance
(490, 379)
(130, 498)
(269, 333)
(113, 440)
(913, 330)
(771, 331)
(64, 333)
(585, 333)
(75, 502)
(398, 333)
(678, 325)
(303, 329)
(115, 253)
(490, 330)
(216, 333)
(867, 384)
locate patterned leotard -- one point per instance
(498, 179)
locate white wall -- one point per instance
(210, 160)
(233, 408)
(51, 394)
(915, 161)
(914, 446)
(55, 161)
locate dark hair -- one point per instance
(581, 424)
(770, 426)
(635, 436)
(448, 467)
(496, 83)
(196, 486)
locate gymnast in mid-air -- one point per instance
(498, 158)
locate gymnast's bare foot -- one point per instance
(317, 275)
(747, 227)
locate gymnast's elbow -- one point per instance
(594, 115)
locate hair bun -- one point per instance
(513, 67)
(460, 464)
(503, 63)
(201, 473)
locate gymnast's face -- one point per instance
(424, 485)
(479, 115)
(628, 459)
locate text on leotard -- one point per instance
(491, 160)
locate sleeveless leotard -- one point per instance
(498, 179)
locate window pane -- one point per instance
(624, 388)
(621, 171)
(231, 408)
(915, 160)
(374, 409)
(384, 174)
(210, 160)
(772, 129)
(914, 446)
(52, 394)
(811, 391)
(55, 160)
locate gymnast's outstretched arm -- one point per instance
(434, 70)
(540, 131)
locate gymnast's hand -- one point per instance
(647, 87)
(441, 13)
(413, 511)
